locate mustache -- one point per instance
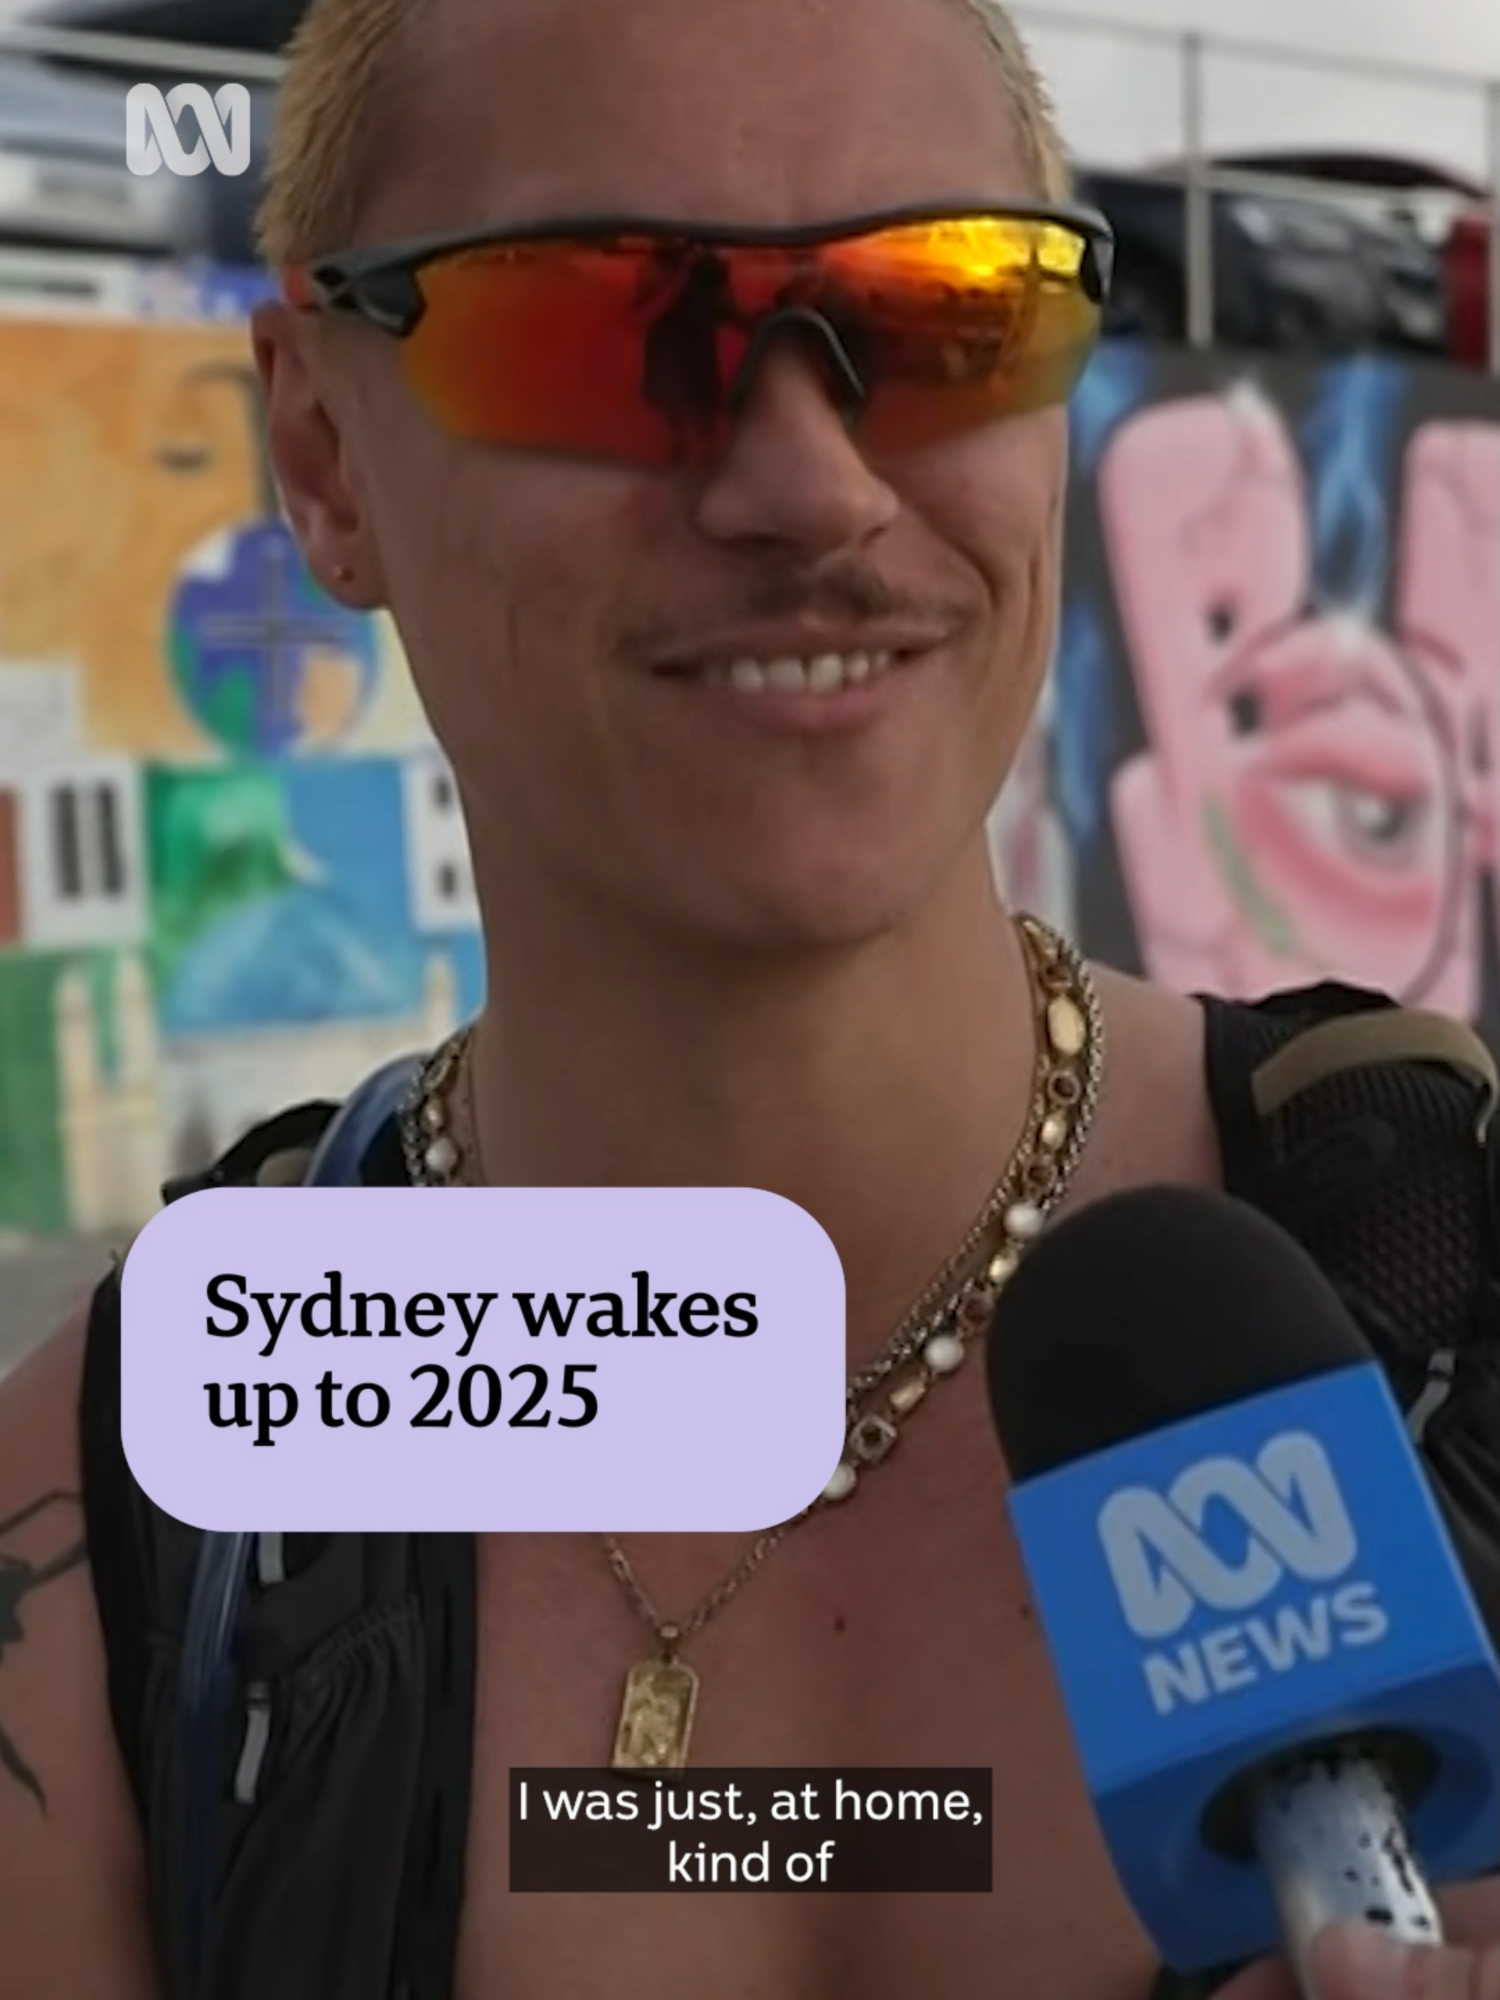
(850, 590)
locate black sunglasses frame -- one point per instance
(379, 283)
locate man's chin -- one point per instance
(769, 919)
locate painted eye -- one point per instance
(1380, 829)
(1374, 821)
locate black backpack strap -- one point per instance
(339, 1822)
(1369, 1041)
(1366, 1131)
(275, 1154)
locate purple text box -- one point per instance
(699, 1385)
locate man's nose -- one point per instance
(791, 473)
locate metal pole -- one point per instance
(1493, 96)
(1198, 200)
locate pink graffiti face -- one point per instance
(1305, 809)
(1330, 812)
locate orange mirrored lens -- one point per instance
(630, 349)
(973, 320)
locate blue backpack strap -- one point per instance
(353, 1128)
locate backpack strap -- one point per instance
(1363, 1041)
(341, 1153)
(1367, 1130)
(339, 1769)
(275, 1154)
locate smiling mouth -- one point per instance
(813, 674)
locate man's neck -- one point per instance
(881, 1088)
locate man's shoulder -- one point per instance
(1221, 1091)
(1164, 1009)
(1339, 1028)
(1157, 1024)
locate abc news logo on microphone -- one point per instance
(1269, 1573)
(153, 138)
(1264, 1550)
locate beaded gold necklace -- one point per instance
(661, 1694)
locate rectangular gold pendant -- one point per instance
(656, 1717)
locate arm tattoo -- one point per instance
(37, 1545)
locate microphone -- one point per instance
(1280, 1687)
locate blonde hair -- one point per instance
(341, 67)
(1042, 145)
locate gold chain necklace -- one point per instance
(660, 1699)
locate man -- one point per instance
(742, 930)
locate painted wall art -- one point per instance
(1275, 735)
(232, 864)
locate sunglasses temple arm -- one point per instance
(325, 288)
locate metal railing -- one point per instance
(1202, 180)
(1200, 177)
(136, 52)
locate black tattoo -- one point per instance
(35, 1549)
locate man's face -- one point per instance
(569, 622)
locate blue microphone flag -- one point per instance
(1221, 1591)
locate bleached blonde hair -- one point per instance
(341, 67)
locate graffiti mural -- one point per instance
(1277, 709)
(232, 867)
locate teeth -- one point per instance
(828, 673)
(787, 677)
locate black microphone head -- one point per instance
(1146, 1309)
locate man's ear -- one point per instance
(309, 458)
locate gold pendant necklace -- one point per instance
(655, 1731)
(660, 1699)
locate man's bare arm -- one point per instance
(72, 1895)
(39, 1543)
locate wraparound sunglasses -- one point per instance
(637, 340)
